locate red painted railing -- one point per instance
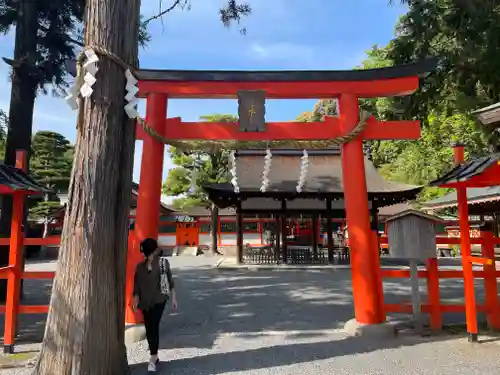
(432, 274)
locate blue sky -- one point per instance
(281, 34)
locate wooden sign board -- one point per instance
(252, 110)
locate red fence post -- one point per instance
(465, 249)
(376, 247)
(16, 264)
(436, 320)
(490, 281)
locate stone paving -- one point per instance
(285, 322)
(289, 322)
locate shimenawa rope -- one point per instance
(222, 144)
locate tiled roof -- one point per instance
(464, 171)
(324, 174)
(15, 179)
(474, 195)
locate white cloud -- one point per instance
(287, 55)
(281, 51)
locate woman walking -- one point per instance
(153, 287)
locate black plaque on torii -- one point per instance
(252, 110)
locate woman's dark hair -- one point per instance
(148, 246)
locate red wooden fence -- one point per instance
(432, 274)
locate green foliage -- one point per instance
(322, 108)
(304, 117)
(422, 161)
(419, 162)
(383, 108)
(51, 162)
(234, 11)
(58, 21)
(194, 170)
(465, 37)
(60, 32)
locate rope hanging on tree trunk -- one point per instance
(212, 145)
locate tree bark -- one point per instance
(22, 102)
(84, 334)
(214, 225)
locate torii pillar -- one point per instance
(149, 195)
(365, 263)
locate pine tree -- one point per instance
(51, 166)
(43, 45)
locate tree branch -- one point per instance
(70, 39)
(163, 12)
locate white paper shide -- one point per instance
(234, 180)
(130, 97)
(267, 168)
(304, 165)
(84, 88)
(90, 68)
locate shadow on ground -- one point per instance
(31, 326)
(252, 303)
(276, 356)
(250, 306)
(215, 302)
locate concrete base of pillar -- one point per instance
(134, 333)
(382, 330)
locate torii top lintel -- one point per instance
(367, 83)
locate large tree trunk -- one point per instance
(214, 225)
(22, 101)
(84, 334)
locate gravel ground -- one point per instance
(285, 322)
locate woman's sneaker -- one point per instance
(152, 366)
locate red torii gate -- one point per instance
(157, 86)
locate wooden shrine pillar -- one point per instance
(315, 231)
(329, 234)
(465, 250)
(366, 279)
(149, 195)
(282, 225)
(260, 229)
(277, 235)
(239, 234)
(375, 223)
(219, 235)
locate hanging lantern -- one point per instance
(304, 165)
(267, 168)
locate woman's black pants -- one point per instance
(152, 319)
